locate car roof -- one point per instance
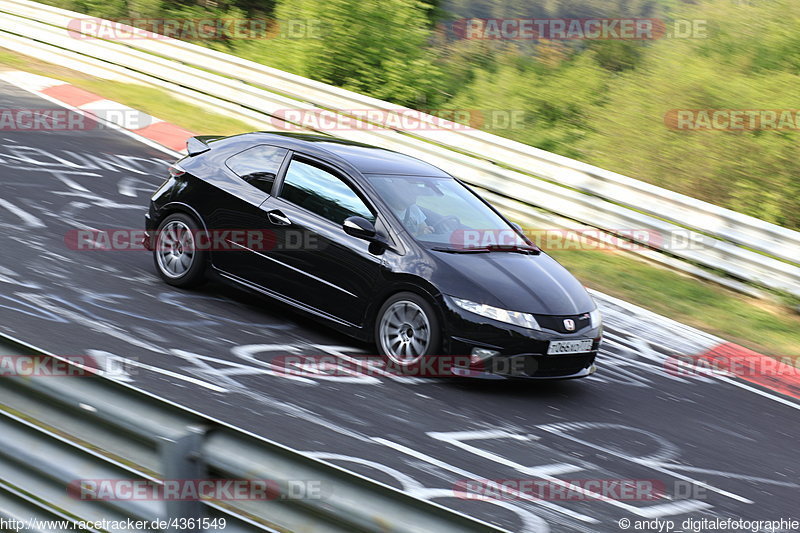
(366, 158)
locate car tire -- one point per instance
(175, 255)
(408, 334)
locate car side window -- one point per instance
(258, 165)
(322, 192)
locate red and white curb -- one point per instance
(690, 352)
(106, 111)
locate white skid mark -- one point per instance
(29, 220)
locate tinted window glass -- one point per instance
(442, 211)
(322, 193)
(258, 165)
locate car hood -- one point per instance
(518, 282)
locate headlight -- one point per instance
(525, 320)
(596, 318)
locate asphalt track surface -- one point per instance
(720, 447)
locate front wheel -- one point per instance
(407, 332)
(177, 258)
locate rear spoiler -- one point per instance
(198, 145)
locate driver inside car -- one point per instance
(402, 199)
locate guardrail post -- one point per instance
(182, 459)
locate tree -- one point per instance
(377, 47)
(749, 61)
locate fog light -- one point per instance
(481, 354)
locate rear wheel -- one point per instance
(407, 332)
(175, 254)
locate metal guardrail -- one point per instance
(55, 430)
(718, 240)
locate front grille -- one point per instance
(560, 364)
(556, 322)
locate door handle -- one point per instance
(278, 218)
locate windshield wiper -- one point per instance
(461, 250)
(491, 248)
(524, 249)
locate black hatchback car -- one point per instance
(378, 244)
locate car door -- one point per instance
(237, 225)
(314, 261)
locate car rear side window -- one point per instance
(322, 192)
(258, 165)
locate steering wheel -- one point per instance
(439, 225)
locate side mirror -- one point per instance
(521, 233)
(359, 227)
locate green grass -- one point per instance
(770, 328)
(161, 105)
(13, 60)
(153, 101)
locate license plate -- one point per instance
(576, 346)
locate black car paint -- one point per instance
(346, 279)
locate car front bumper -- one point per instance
(508, 351)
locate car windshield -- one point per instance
(442, 213)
